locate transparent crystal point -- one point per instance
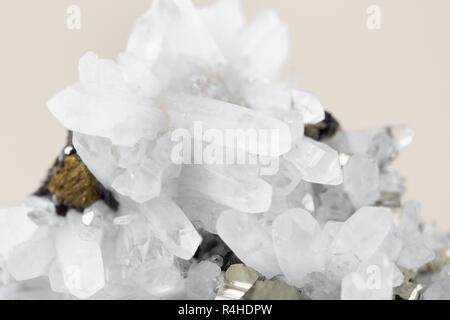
(249, 240)
(317, 162)
(296, 237)
(80, 260)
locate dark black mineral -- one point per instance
(324, 129)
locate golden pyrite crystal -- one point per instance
(73, 184)
(70, 185)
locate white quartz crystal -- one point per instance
(250, 241)
(15, 228)
(245, 193)
(381, 143)
(162, 282)
(316, 162)
(202, 281)
(32, 259)
(201, 211)
(185, 110)
(243, 185)
(362, 234)
(172, 227)
(415, 251)
(310, 106)
(102, 105)
(80, 259)
(264, 46)
(362, 181)
(296, 236)
(372, 281)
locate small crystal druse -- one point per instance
(132, 209)
(70, 184)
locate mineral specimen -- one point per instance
(197, 171)
(243, 283)
(70, 184)
(238, 280)
(323, 130)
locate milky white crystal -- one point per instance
(308, 103)
(184, 110)
(415, 251)
(362, 181)
(171, 226)
(372, 281)
(316, 162)
(297, 210)
(362, 234)
(102, 105)
(250, 241)
(381, 143)
(15, 228)
(32, 259)
(296, 237)
(203, 212)
(245, 193)
(80, 260)
(162, 282)
(202, 280)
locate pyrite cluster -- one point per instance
(119, 218)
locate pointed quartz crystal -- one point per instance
(363, 233)
(309, 105)
(296, 238)
(32, 258)
(15, 228)
(101, 105)
(202, 280)
(171, 226)
(185, 110)
(381, 143)
(415, 253)
(249, 240)
(362, 181)
(264, 46)
(173, 28)
(317, 162)
(246, 193)
(80, 259)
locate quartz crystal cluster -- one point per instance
(117, 218)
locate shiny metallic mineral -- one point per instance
(324, 129)
(409, 290)
(70, 184)
(243, 283)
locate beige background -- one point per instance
(399, 74)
